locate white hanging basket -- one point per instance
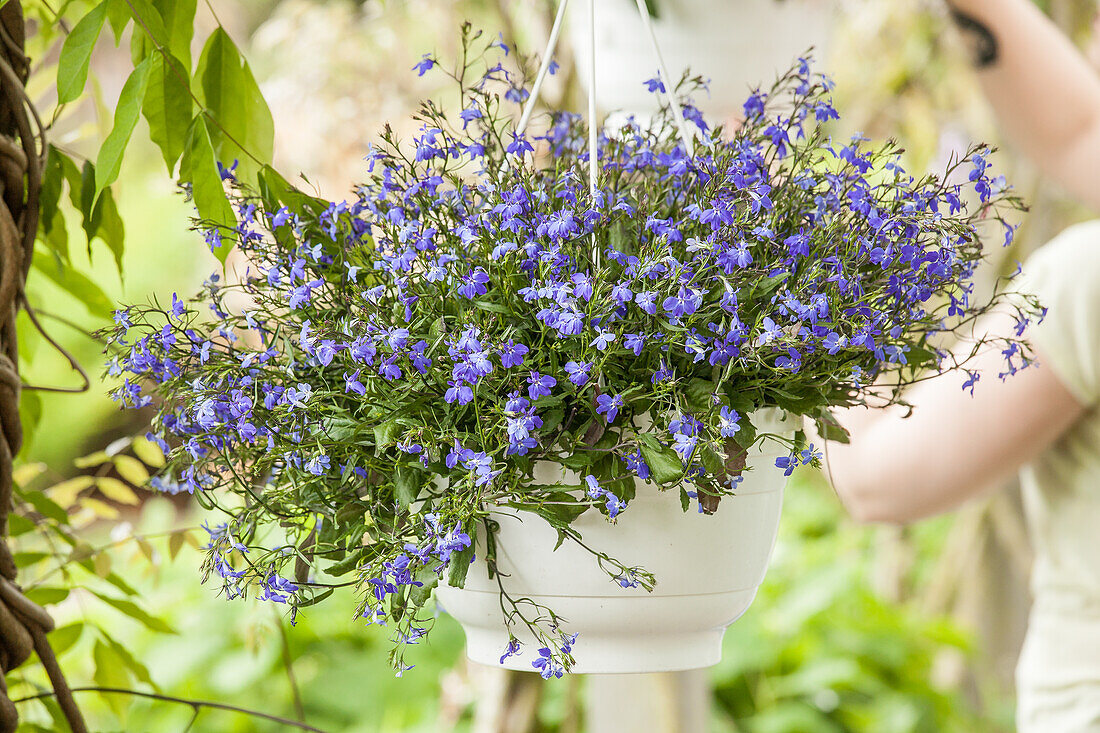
(708, 568)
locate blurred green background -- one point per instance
(855, 629)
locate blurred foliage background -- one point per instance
(855, 629)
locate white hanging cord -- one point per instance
(666, 81)
(544, 67)
(593, 124)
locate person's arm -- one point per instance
(1046, 95)
(953, 446)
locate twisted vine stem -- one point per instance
(23, 624)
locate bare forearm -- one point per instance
(1046, 95)
(952, 446)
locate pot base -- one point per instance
(667, 627)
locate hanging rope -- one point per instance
(666, 80)
(593, 124)
(23, 624)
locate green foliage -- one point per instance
(51, 526)
(129, 106)
(168, 107)
(233, 122)
(199, 166)
(179, 21)
(662, 460)
(97, 210)
(77, 284)
(230, 94)
(72, 66)
(820, 651)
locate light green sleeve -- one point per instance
(1065, 275)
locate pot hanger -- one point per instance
(593, 128)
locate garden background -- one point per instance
(855, 629)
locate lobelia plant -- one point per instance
(387, 370)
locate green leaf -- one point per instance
(53, 180)
(138, 669)
(244, 128)
(111, 230)
(30, 414)
(407, 484)
(168, 107)
(580, 460)
(698, 395)
(53, 232)
(664, 465)
(148, 451)
(179, 23)
(560, 514)
(45, 596)
(349, 563)
(66, 492)
(316, 598)
(78, 286)
(118, 17)
(113, 578)
(383, 434)
(116, 490)
(26, 559)
(97, 458)
(426, 576)
(19, 525)
(63, 638)
(830, 429)
(551, 420)
(276, 190)
(131, 469)
(72, 66)
(491, 307)
(136, 612)
(98, 218)
(200, 169)
(612, 475)
(459, 567)
(110, 671)
(87, 206)
(149, 31)
(714, 463)
(57, 239)
(109, 161)
(770, 284)
(920, 356)
(45, 506)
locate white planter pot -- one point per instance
(708, 569)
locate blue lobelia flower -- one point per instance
(578, 372)
(728, 422)
(539, 385)
(609, 406)
(424, 65)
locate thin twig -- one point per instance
(196, 704)
(57, 347)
